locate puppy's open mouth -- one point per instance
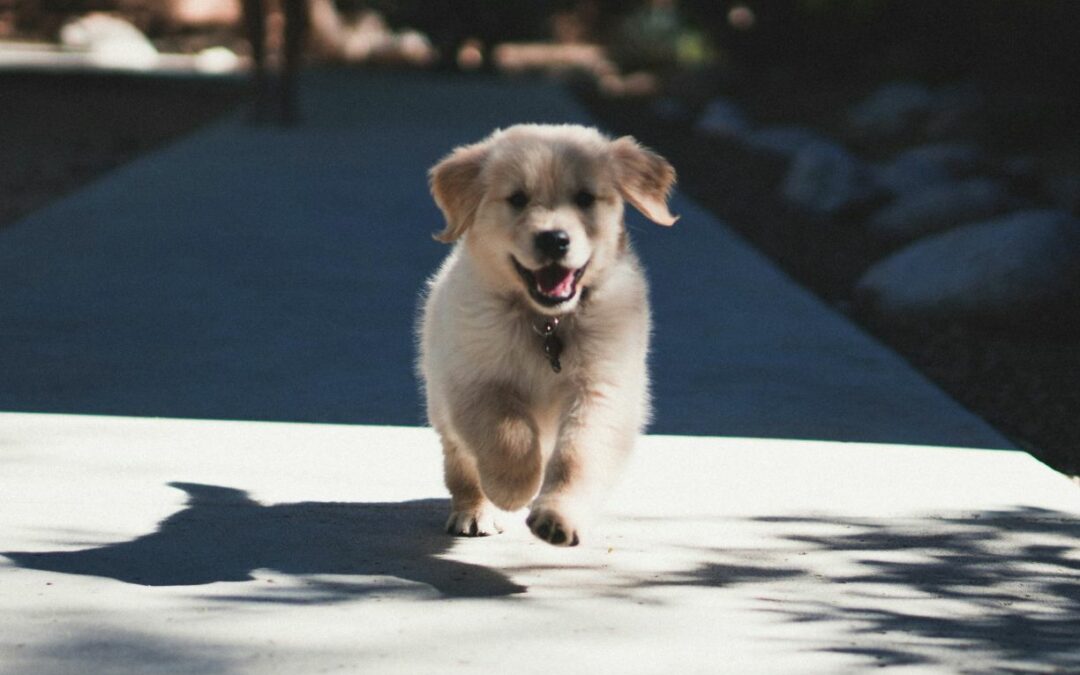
(551, 285)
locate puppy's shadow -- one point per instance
(224, 535)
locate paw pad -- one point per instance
(552, 528)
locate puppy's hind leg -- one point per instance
(471, 513)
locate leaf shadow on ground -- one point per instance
(1000, 584)
(978, 591)
(998, 590)
(224, 535)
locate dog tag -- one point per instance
(552, 344)
(553, 348)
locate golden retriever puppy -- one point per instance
(534, 331)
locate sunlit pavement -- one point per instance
(832, 512)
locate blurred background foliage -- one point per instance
(931, 40)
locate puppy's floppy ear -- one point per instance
(644, 179)
(455, 185)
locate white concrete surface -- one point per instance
(157, 545)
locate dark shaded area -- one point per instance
(223, 535)
(794, 64)
(62, 131)
(215, 289)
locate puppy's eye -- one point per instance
(584, 199)
(518, 200)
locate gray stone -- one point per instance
(956, 108)
(939, 207)
(959, 159)
(995, 270)
(783, 141)
(926, 165)
(894, 109)
(825, 178)
(1022, 168)
(907, 173)
(722, 118)
(1064, 191)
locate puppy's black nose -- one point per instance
(553, 243)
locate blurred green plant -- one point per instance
(657, 35)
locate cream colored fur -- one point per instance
(513, 430)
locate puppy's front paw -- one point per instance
(553, 526)
(474, 522)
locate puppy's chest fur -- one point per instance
(518, 360)
(506, 345)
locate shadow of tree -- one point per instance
(224, 535)
(724, 574)
(99, 648)
(990, 590)
(1001, 583)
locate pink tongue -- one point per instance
(555, 281)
